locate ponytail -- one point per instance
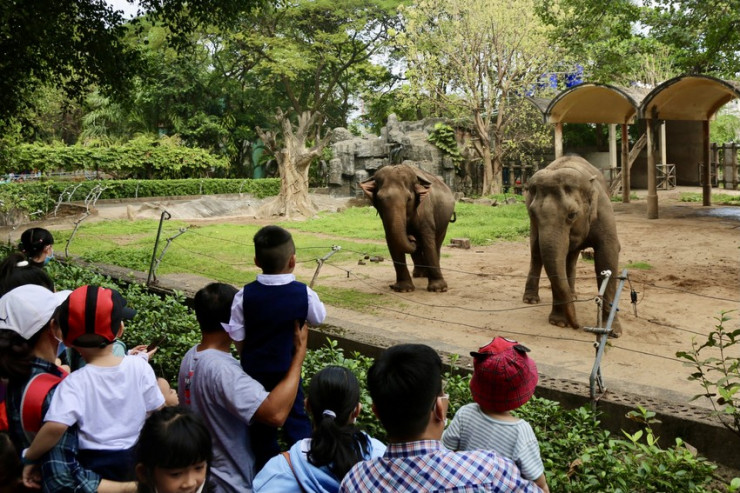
(333, 395)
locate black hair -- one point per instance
(212, 305)
(34, 240)
(16, 354)
(10, 463)
(335, 441)
(16, 270)
(171, 438)
(404, 382)
(273, 247)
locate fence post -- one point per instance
(165, 216)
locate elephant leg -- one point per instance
(403, 283)
(604, 261)
(420, 263)
(431, 250)
(532, 287)
(563, 311)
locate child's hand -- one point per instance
(32, 476)
(300, 337)
(141, 351)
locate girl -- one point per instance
(319, 463)
(38, 245)
(174, 453)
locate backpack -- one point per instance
(32, 401)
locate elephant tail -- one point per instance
(454, 217)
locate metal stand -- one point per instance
(321, 261)
(602, 334)
(165, 216)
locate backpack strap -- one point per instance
(32, 402)
(286, 454)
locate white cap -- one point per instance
(26, 309)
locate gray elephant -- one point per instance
(569, 210)
(416, 208)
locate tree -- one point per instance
(482, 56)
(309, 57)
(704, 34)
(68, 43)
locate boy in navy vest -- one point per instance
(263, 316)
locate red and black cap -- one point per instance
(91, 316)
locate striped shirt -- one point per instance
(472, 429)
(427, 466)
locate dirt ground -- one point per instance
(693, 252)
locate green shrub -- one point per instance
(143, 157)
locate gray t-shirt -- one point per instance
(214, 385)
(472, 429)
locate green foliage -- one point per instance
(718, 371)
(143, 157)
(639, 265)
(725, 128)
(717, 198)
(41, 197)
(443, 136)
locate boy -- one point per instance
(213, 384)
(504, 379)
(110, 397)
(263, 315)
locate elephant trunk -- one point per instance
(397, 236)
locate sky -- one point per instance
(129, 9)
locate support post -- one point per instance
(706, 184)
(652, 196)
(165, 216)
(613, 145)
(558, 140)
(625, 165)
(663, 153)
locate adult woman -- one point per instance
(38, 245)
(29, 340)
(319, 463)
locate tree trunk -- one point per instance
(294, 160)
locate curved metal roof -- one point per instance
(595, 103)
(689, 97)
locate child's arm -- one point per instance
(542, 483)
(45, 439)
(316, 309)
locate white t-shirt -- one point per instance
(472, 429)
(108, 403)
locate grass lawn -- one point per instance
(225, 252)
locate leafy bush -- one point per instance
(143, 157)
(719, 373)
(443, 136)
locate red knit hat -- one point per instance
(93, 311)
(504, 377)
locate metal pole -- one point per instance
(165, 216)
(321, 261)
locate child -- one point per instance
(504, 379)
(109, 398)
(263, 315)
(173, 453)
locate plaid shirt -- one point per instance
(60, 470)
(427, 466)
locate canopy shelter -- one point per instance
(687, 97)
(599, 103)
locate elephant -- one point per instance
(569, 210)
(416, 207)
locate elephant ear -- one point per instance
(594, 198)
(422, 187)
(368, 186)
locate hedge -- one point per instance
(143, 157)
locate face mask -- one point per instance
(49, 257)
